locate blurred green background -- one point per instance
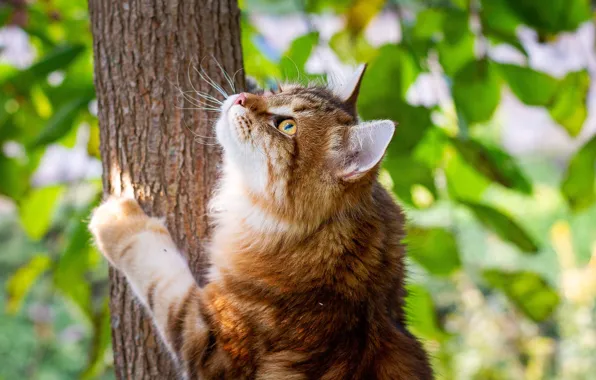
(493, 161)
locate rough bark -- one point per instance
(144, 51)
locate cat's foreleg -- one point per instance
(142, 249)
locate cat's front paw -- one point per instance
(115, 224)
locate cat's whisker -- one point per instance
(210, 81)
(199, 103)
(225, 74)
(200, 93)
(209, 102)
(214, 83)
(186, 97)
(209, 97)
(234, 77)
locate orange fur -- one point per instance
(308, 264)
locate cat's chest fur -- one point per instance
(327, 296)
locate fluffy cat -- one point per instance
(307, 264)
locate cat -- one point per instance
(307, 261)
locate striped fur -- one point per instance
(307, 278)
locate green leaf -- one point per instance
(389, 76)
(457, 47)
(578, 183)
(352, 49)
(62, 121)
(69, 274)
(531, 87)
(463, 182)
(433, 248)
(406, 173)
(431, 148)
(421, 315)
(15, 178)
(21, 281)
(321, 6)
(57, 59)
(5, 14)
(476, 91)
(93, 144)
(101, 344)
(275, 7)
(529, 292)
(429, 23)
(552, 17)
(382, 96)
(361, 12)
(493, 163)
(412, 124)
(568, 106)
(503, 226)
(36, 210)
(500, 23)
(292, 64)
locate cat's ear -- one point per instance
(367, 144)
(348, 92)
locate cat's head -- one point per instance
(302, 149)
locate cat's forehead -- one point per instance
(314, 98)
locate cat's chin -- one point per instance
(225, 122)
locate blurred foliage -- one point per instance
(502, 285)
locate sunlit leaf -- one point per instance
(433, 248)
(321, 6)
(476, 91)
(421, 315)
(568, 106)
(463, 182)
(503, 226)
(15, 177)
(21, 281)
(37, 208)
(351, 48)
(578, 184)
(494, 163)
(293, 61)
(531, 87)
(93, 143)
(528, 291)
(256, 63)
(429, 23)
(391, 74)
(361, 12)
(431, 148)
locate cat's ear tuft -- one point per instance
(348, 92)
(368, 142)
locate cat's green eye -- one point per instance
(287, 126)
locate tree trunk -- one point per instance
(144, 52)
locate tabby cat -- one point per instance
(307, 263)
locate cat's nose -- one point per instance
(241, 99)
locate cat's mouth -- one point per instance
(233, 123)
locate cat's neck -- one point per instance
(247, 235)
